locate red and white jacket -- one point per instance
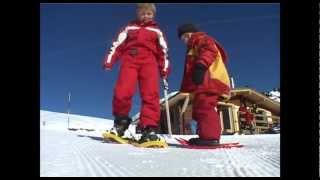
(137, 34)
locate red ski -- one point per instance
(185, 143)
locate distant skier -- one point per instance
(250, 121)
(207, 79)
(142, 47)
(246, 118)
(242, 116)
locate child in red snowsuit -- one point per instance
(207, 79)
(142, 47)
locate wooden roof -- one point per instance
(174, 99)
(257, 98)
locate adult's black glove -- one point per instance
(198, 74)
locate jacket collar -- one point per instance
(195, 36)
(140, 23)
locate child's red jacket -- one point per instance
(137, 35)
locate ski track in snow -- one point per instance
(76, 154)
(86, 157)
(84, 154)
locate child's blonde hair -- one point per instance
(150, 6)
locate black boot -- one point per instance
(203, 142)
(121, 124)
(148, 134)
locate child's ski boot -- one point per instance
(203, 142)
(149, 138)
(116, 133)
(121, 124)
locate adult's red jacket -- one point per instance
(205, 50)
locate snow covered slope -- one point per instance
(83, 153)
(59, 121)
(274, 95)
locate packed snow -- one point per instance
(83, 153)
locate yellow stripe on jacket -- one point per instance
(217, 70)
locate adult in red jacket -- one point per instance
(144, 53)
(206, 78)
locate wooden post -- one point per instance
(184, 107)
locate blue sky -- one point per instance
(75, 37)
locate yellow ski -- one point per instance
(109, 136)
(151, 144)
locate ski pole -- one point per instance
(166, 88)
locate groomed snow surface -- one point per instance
(83, 153)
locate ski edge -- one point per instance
(184, 143)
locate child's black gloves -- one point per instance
(198, 74)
